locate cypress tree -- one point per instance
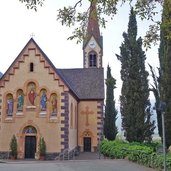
(134, 99)
(13, 147)
(165, 66)
(110, 129)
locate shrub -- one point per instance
(13, 147)
(42, 147)
(144, 154)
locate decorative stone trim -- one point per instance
(43, 114)
(0, 109)
(0, 102)
(4, 154)
(65, 120)
(30, 46)
(19, 114)
(100, 120)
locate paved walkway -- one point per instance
(85, 162)
(88, 156)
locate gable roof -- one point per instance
(1, 75)
(86, 83)
(20, 59)
(17, 59)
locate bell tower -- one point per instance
(93, 43)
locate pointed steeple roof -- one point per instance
(93, 26)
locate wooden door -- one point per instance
(87, 144)
(30, 147)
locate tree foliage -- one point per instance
(165, 66)
(135, 105)
(42, 147)
(13, 146)
(110, 129)
(156, 91)
(32, 4)
(71, 15)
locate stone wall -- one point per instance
(51, 156)
(4, 155)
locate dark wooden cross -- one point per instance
(87, 112)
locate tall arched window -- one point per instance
(92, 59)
(43, 100)
(20, 100)
(9, 105)
(54, 104)
(31, 88)
(75, 117)
(71, 116)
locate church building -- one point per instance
(63, 106)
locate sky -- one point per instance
(18, 24)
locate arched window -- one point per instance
(31, 67)
(29, 130)
(20, 100)
(75, 117)
(9, 105)
(54, 104)
(92, 59)
(71, 116)
(43, 100)
(31, 88)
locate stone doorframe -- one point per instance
(86, 133)
(21, 138)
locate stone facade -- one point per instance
(63, 106)
(69, 126)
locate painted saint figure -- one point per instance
(10, 107)
(32, 96)
(20, 102)
(43, 101)
(54, 105)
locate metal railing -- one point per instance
(67, 154)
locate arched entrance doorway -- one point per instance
(87, 141)
(30, 142)
(87, 144)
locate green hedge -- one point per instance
(140, 153)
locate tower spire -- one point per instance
(93, 42)
(93, 26)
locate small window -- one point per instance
(31, 67)
(29, 130)
(92, 60)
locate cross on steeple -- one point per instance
(32, 35)
(87, 112)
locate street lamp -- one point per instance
(162, 108)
